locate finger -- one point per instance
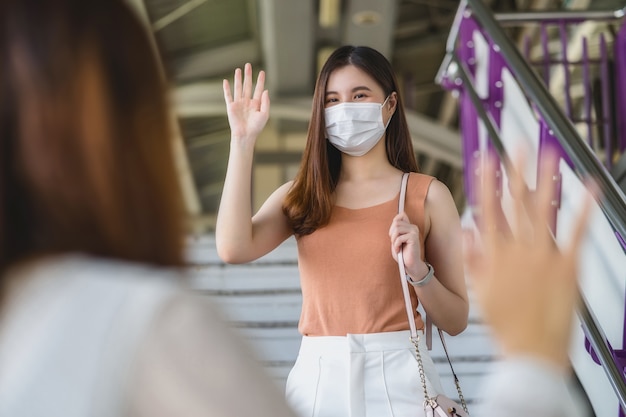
(247, 81)
(401, 217)
(400, 240)
(265, 102)
(397, 231)
(237, 84)
(260, 85)
(487, 199)
(521, 200)
(409, 233)
(394, 254)
(228, 98)
(580, 227)
(399, 248)
(545, 196)
(472, 255)
(394, 223)
(395, 248)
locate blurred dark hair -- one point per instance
(309, 203)
(86, 163)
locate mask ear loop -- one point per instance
(381, 107)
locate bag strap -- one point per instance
(428, 326)
(405, 285)
(409, 312)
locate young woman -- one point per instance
(356, 358)
(94, 320)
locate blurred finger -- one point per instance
(470, 247)
(474, 262)
(487, 199)
(545, 196)
(580, 227)
(520, 195)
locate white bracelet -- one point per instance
(423, 281)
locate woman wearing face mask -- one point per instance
(356, 358)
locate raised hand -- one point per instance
(526, 286)
(248, 112)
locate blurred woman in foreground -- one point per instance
(93, 317)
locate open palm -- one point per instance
(247, 111)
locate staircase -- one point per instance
(262, 301)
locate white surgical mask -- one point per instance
(355, 128)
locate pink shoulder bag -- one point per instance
(439, 406)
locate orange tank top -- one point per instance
(350, 281)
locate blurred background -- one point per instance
(203, 41)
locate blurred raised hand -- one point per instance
(525, 284)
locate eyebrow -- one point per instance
(355, 89)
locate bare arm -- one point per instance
(240, 237)
(444, 297)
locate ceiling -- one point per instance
(202, 41)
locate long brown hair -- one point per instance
(85, 135)
(309, 202)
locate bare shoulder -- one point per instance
(438, 193)
(440, 207)
(277, 197)
(284, 189)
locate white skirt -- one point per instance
(360, 375)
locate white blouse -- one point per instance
(82, 337)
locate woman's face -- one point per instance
(350, 84)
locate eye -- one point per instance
(359, 96)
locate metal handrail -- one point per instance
(600, 343)
(557, 15)
(586, 163)
(527, 17)
(488, 122)
(596, 336)
(613, 201)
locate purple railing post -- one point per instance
(565, 62)
(547, 140)
(468, 115)
(546, 54)
(587, 102)
(606, 103)
(620, 87)
(495, 98)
